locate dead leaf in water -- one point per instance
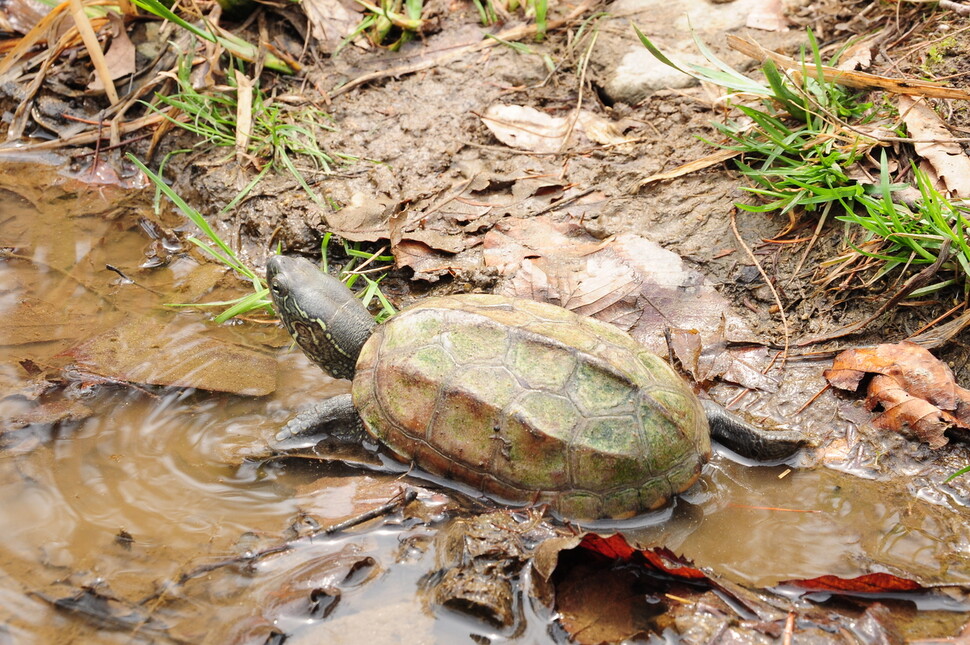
(598, 606)
(868, 583)
(147, 351)
(47, 414)
(331, 500)
(33, 320)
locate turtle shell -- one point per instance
(531, 404)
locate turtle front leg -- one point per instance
(337, 411)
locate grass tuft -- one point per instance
(798, 142)
(216, 248)
(280, 135)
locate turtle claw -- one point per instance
(307, 427)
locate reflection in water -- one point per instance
(151, 482)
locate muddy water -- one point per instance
(108, 508)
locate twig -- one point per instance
(764, 276)
(94, 49)
(252, 558)
(955, 7)
(811, 400)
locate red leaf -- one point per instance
(614, 546)
(869, 583)
(667, 562)
(659, 558)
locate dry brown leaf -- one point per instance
(915, 390)
(331, 22)
(627, 280)
(120, 57)
(768, 15)
(244, 115)
(947, 157)
(527, 128)
(706, 361)
(903, 410)
(858, 56)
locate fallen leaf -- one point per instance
(331, 22)
(32, 320)
(477, 560)
(903, 410)
(331, 500)
(768, 15)
(706, 361)
(858, 56)
(915, 390)
(527, 128)
(624, 280)
(363, 219)
(659, 559)
(868, 583)
(597, 606)
(947, 157)
(120, 57)
(47, 414)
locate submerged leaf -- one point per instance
(146, 351)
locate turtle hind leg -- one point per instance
(337, 415)
(748, 440)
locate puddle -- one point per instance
(141, 485)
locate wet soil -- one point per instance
(120, 490)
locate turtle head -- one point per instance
(324, 317)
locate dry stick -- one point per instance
(858, 80)
(764, 276)
(917, 281)
(37, 33)
(94, 49)
(928, 326)
(252, 558)
(811, 400)
(955, 7)
(513, 34)
(811, 244)
(91, 136)
(583, 66)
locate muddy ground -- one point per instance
(465, 212)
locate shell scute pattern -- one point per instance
(531, 403)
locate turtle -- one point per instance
(525, 402)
